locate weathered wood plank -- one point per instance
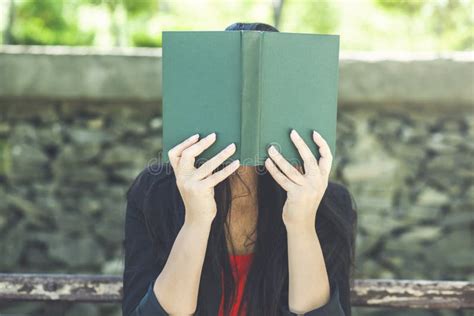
(420, 294)
(60, 287)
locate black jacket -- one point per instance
(140, 272)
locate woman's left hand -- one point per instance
(304, 191)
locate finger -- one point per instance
(290, 171)
(175, 153)
(220, 175)
(310, 162)
(188, 156)
(206, 168)
(279, 177)
(325, 161)
(300, 168)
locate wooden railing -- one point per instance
(366, 293)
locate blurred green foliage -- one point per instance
(143, 39)
(312, 16)
(451, 21)
(405, 7)
(46, 22)
(5, 160)
(434, 25)
(131, 9)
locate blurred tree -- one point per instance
(450, 21)
(277, 9)
(310, 16)
(46, 22)
(7, 34)
(435, 25)
(121, 10)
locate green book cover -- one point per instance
(251, 88)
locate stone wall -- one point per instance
(66, 161)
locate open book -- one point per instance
(251, 88)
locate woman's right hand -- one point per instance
(196, 185)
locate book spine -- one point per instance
(251, 47)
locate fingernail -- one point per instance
(294, 133)
(194, 136)
(236, 162)
(271, 149)
(316, 133)
(212, 135)
(230, 146)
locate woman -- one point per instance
(209, 238)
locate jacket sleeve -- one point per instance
(331, 308)
(140, 269)
(149, 305)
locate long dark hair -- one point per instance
(267, 281)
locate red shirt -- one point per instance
(240, 266)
